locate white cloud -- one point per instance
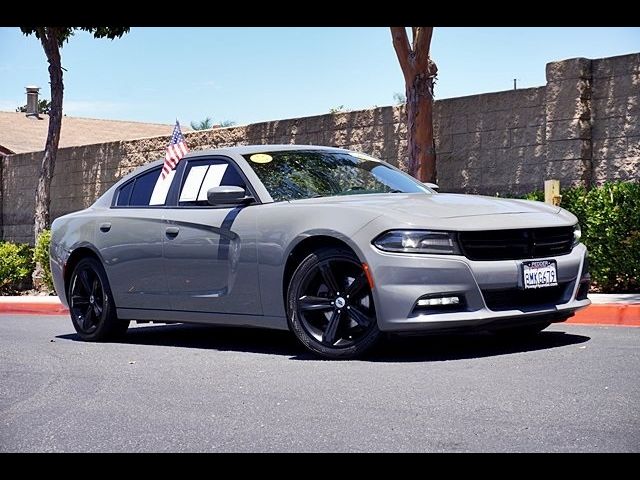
(9, 105)
(5, 67)
(209, 84)
(93, 108)
(78, 108)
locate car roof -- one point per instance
(245, 150)
(248, 149)
(228, 151)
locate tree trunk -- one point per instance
(419, 73)
(50, 43)
(422, 154)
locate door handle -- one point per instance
(172, 231)
(105, 227)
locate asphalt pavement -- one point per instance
(191, 388)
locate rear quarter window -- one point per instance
(147, 189)
(124, 194)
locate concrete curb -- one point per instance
(626, 315)
(44, 305)
(621, 311)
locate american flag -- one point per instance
(175, 151)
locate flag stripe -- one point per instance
(176, 149)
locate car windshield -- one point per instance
(299, 174)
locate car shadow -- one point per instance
(438, 348)
(431, 348)
(209, 337)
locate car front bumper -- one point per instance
(401, 279)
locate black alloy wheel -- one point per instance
(330, 305)
(91, 305)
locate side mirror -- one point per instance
(230, 195)
(432, 186)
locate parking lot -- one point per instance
(190, 388)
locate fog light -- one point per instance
(430, 302)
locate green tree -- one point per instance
(52, 39)
(44, 106)
(399, 98)
(419, 75)
(205, 124)
(227, 123)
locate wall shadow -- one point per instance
(432, 348)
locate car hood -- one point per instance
(436, 206)
(441, 211)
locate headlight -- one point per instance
(577, 233)
(418, 241)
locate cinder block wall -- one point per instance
(615, 117)
(582, 127)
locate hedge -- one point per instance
(41, 255)
(16, 265)
(17, 261)
(610, 219)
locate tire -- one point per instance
(332, 323)
(521, 332)
(91, 306)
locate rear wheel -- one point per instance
(93, 312)
(330, 305)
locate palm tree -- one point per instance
(205, 124)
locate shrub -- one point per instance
(41, 256)
(610, 219)
(538, 196)
(16, 265)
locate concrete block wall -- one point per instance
(582, 127)
(568, 122)
(491, 143)
(616, 118)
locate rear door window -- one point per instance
(201, 175)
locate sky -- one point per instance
(248, 75)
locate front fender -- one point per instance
(281, 227)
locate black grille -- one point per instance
(516, 244)
(516, 299)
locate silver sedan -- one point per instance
(331, 244)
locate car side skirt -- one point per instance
(238, 320)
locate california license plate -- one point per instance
(539, 274)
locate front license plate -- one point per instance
(539, 274)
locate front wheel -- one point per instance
(93, 312)
(330, 305)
